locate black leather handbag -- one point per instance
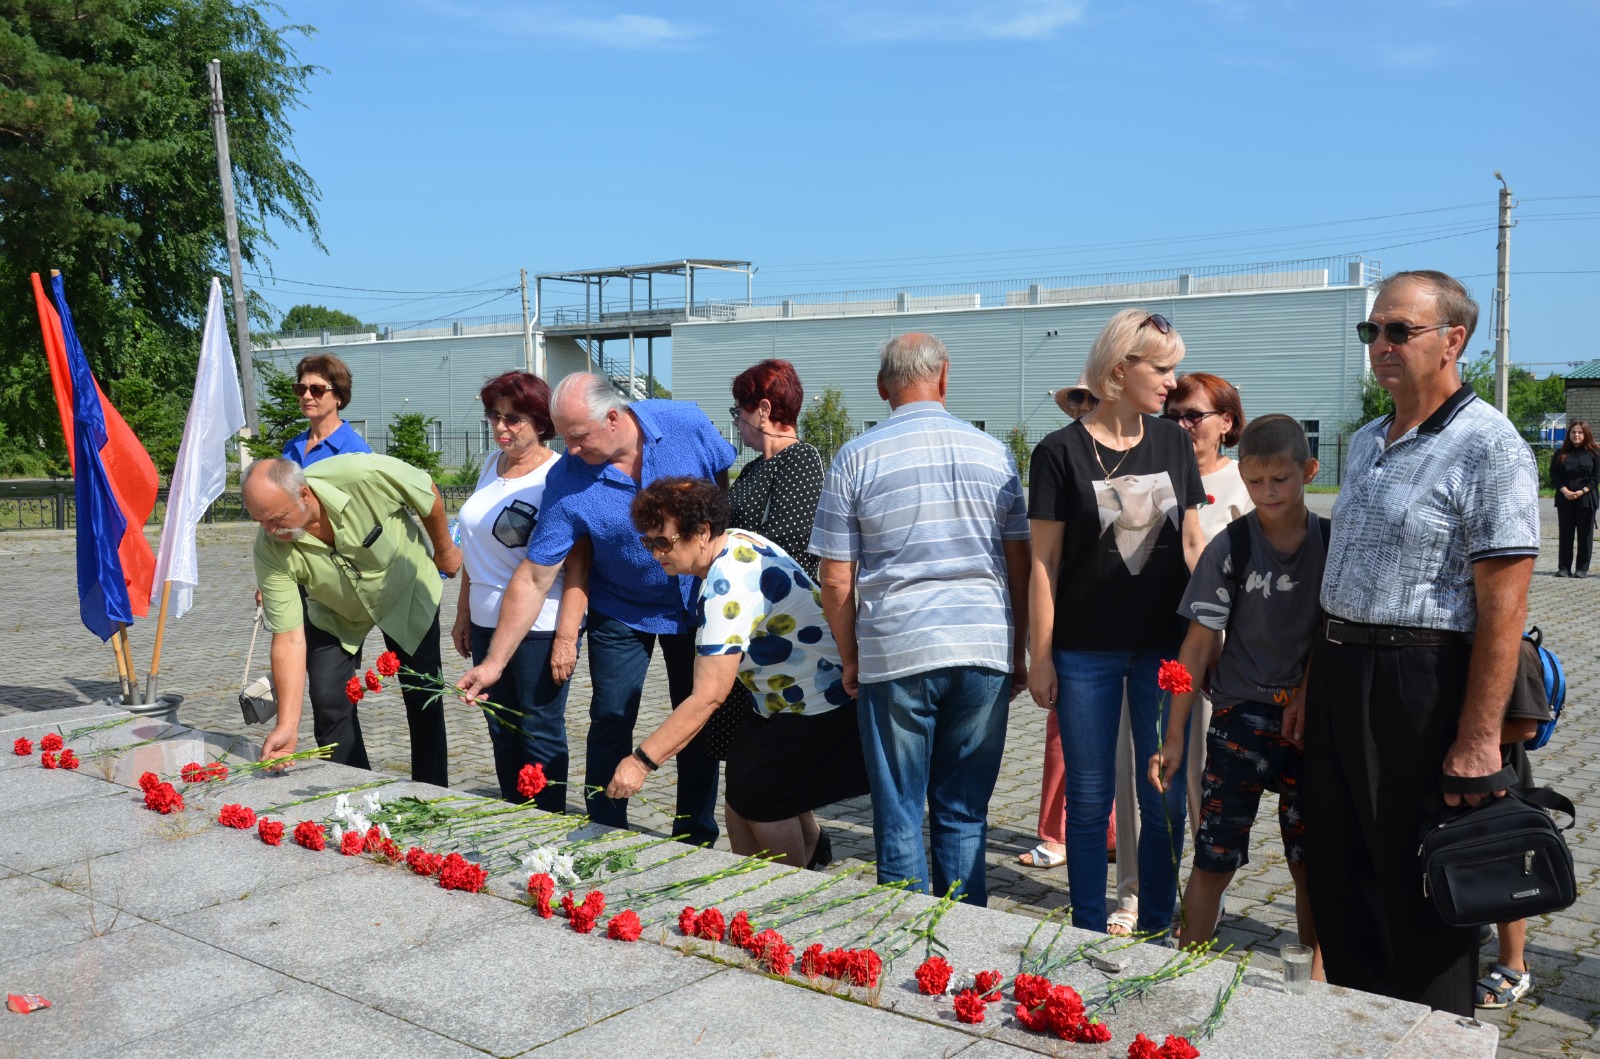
(1501, 860)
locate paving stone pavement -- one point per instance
(48, 660)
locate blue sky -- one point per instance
(882, 143)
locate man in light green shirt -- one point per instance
(342, 532)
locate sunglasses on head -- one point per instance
(659, 544)
(1188, 419)
(1396, 332)
(511, 420)
(315, 389)
(1157, 321)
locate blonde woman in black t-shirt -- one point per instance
(1114, 507)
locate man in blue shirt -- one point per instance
(619, 449)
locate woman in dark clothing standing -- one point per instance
(1574, 472)
(777, 492)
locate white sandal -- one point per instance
(1042, 858)
(1126, 920)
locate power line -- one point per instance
(277, 281)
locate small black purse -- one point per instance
(1501, 860)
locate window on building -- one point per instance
(979, 423)
(1313, 429)
(868, 424)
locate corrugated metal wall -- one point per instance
(1292, 352)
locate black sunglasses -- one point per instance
(735, 411)
(1397, 332)
(315, 389)
(513, 420)
(1159, 322)
(1188, 419)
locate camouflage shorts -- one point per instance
(1246, 754)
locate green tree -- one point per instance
(109, 174)
(277, 409)
(408, 441)
(825, 424)
(1021, 451)
(317, 317)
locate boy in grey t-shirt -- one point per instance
(1270, 611)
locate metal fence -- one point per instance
(58, 509)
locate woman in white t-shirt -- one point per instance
(527, 724)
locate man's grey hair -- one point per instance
(595, 392)
(285, 474)
(912, 358)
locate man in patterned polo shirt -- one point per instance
(925, 516)
(614, 450)
(1434, 537)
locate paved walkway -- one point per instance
(48, 660)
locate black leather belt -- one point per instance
(1355, 632)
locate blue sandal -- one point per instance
(1502, 986)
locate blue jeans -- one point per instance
(539, 734)
(1088, 705)
(935, 738)
(619, 656)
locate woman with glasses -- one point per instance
(1114, 505)
(776, 493)
(322, 386)
(760, 623)
(1208, 407)
(527, 724)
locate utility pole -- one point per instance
(527, 327)
(241, 319)
(1502, 300)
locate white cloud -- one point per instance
(951, 20)
(616, 30)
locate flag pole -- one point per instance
(161, 630)
(124, 670)
(127, 652)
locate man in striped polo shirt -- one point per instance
(923, 516)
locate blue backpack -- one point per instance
(1555, 687)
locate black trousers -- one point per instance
(329, 668)
(1574, 523)
(1379, 722)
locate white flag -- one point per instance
(215, 415)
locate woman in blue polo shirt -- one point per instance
(322, 386)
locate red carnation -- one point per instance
(373, 840)
(933, 977)
(1093, 1033)
(351, 844)
(389, 850)
(148, 780)
(311, 835)
(985, 981)
(52, 741)
(1030, 990)
(969, 1006)
(22, 748)
(422, 862)
(47, 759)
(1063, 1009)
(863, 966)
(1178, 1048)
(531, 780)
(164, 799)
(1143, 1047)
(710, 925)
(811, 961)
(770, 948)
(624, 926)
(271, 831)
(193, 772)
(1174, 677)
(240, 816)
(739, 930)
(686, 921)
(458, 873)
(583, 916)
(352, 690)
(216, 771)
(388, 663)
(68, 759)
(374, 685)
(1210, 499)
(541, 888)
